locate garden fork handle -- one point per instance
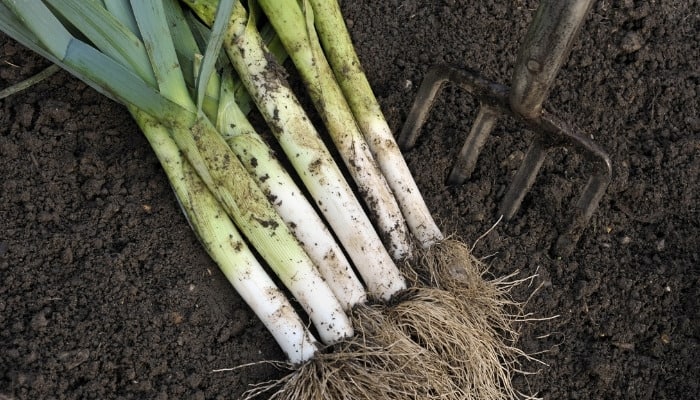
(546, 47)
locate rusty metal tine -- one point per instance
(546, 46)
(466, 160)
(524, 178)
(429, 89)
(585, 206)
(595, 188)
(489, 93)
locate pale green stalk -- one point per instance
(288, 200)
(227, 248)
(195, 136)
(293, 23)
(297, 136)
(348, 71)
(291, 204)
(227, 178)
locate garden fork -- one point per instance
(546, 46)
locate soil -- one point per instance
(106, 293)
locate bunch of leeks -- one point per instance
(446, 336)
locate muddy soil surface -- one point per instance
(105, 292)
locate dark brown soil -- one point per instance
(105, 292)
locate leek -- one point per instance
(245, 202)
(348, 71)
(292, 20)
(302, 144)
(291, 204)
(288, 200)
(439, 339)
(451, 312)
(122, 72)
(227, 248)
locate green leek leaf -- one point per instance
(216, 39)
(107, 34)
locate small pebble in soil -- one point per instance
(631, 42)
(661, 245)
(39, 320)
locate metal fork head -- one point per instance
(550, 132)
(545, 48)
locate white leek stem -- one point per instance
(352, 79)
(295, 29)
(193, 134)
(252, 212)
(226, 247)
(309, 156)
(225, 176)
(279, 187)
(288, 200)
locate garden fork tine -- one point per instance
(546, 47)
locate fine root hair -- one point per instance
(477, 344)
(455, 309)
(380, 362)
(451, 335)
